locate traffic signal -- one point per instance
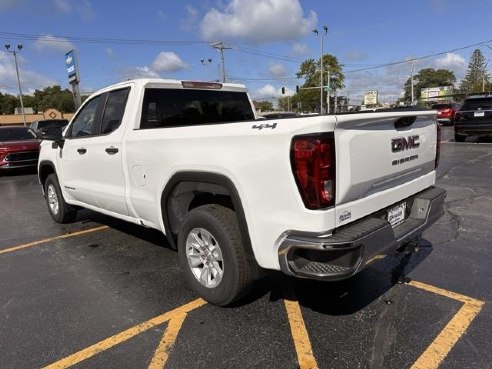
(297, 89)
(283, 90)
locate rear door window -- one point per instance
(114, 110)
(184, 107)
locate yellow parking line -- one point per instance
(46, 240)
(169, 336)
(433, 356)
(299, 332)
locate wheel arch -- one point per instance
(187, 190)
(45, 168)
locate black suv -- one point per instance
(474, 118)
(41, 126)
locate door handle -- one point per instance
(111, 150)
(82, 151)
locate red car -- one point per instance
(19, 147)
(445, 112)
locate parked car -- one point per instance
(19, 147)
(474, 118)
(445, 112)
(41, 126)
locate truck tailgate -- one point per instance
(381, 151)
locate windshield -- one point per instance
(16, 134)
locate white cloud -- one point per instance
(191, 18)
(453, 62)
(52, 43)
(277, 70)
(300, 49)
(82, 7)
(30, 80)
(63, 6)
(266, 92)
(145, 72)
(85, 8)
(167, 62)
(258, 21)
(111, 53)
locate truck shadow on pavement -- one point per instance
(348, 296)
(331, 298)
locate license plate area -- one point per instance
(479, 114)
(396, 215)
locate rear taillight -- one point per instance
(438, 145)
(313, 165)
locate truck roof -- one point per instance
(173, 83)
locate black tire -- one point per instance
(459, 138)
(220, 225)
(60, 211)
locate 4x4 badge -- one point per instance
(261, 126)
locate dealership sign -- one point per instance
(72, 67)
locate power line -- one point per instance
(98, 40)
(418, 58)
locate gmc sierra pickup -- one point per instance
(315, 197)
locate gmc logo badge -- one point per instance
(401, 143)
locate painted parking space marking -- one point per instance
(302, 343)
(174, 318)
(433, 356)
(50, 239)
(161, 354)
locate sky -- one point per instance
(266, 41)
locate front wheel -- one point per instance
(60, 211)
(212, 256)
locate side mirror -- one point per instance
(54, 134)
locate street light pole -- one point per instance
(322, 36)
(19, 47)
(206, 62)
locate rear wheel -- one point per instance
(459, 138)
(59, 210)
(212, 255)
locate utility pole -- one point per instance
(19, 47)
(220, 46)
(483, 75)
(411, 83)
(325, 28)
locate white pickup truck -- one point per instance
(315, 197)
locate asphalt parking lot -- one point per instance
(102, 293)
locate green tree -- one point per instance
(54, 97)
(264, 105)
(8, 103)
(309, 99)
(476, 78)
(428, 77)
